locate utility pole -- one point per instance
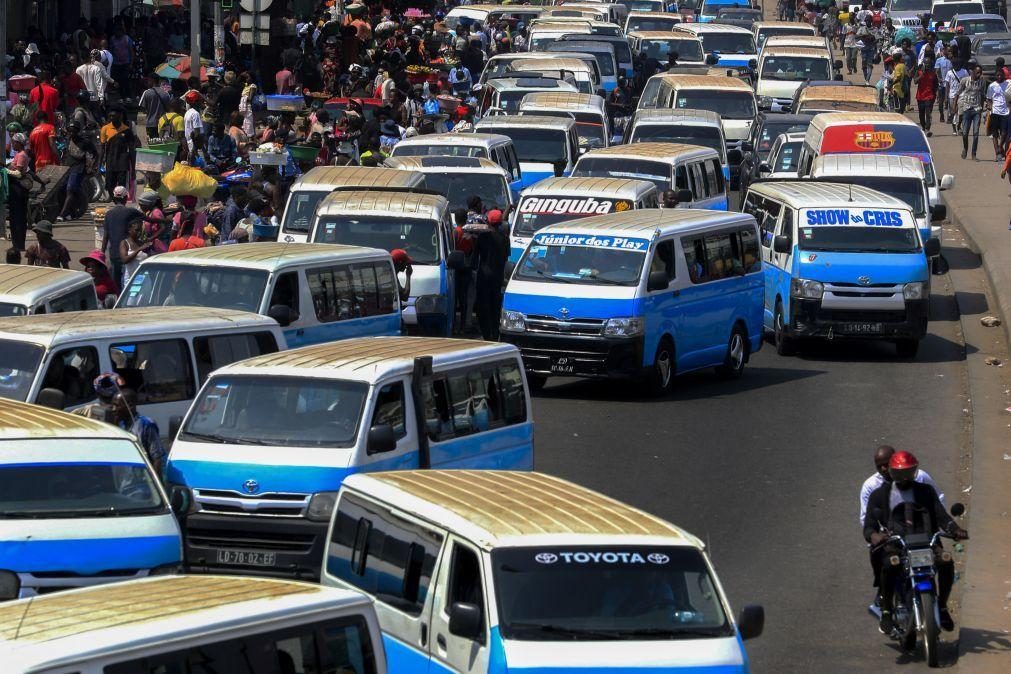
(195, 38)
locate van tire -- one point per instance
(660, 379)
(737, 355)
(907, 348)
(536, 382)
(785, 345)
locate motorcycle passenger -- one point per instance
(911, 507)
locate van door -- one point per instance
(661, 306)
(766, 212)
(161, 371)
(781, 268)
(390, 408)
(287, 292)
(460, 583)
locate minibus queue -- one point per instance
(351, 466)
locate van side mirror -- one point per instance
(381, 439)
(283, 314)
(957, 509)
(456, 260)
(763, 167)
(932, 247)
(938, 213)
(657, 280)
(747, 146)
(683, 195)
(781, 244)
(734, 156)
(947, 182)
(751, 622)
(465, 620)
(180, 500)
(51, 397)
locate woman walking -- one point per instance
(132, 251)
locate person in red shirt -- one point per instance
(42, 142)
(926, 93)
(285, 81)
(45, 95)
(72, 86)
(105, 286)
(186, 239)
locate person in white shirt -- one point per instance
(996, 103)
(96, 77)
(191, 120)
(952, 85)
(460, 79)
(881, 457)
(943, 66)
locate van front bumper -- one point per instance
(573, 356)
(809, 319)
(281, 547)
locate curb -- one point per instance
(992, 270)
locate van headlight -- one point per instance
(321, 506)
(914, 291)
(805, 289)
(623, 327)
(430, 304)
(513, 321)
(10, 585)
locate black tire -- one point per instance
(785, 345)
(660, 380)
(907, 348)
(536, 382)
(931, 631)
(737, 355)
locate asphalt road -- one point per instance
(768, 469)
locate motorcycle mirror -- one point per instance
(957, 509)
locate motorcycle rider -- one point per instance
(902, 507)
(881, 457)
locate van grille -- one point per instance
(260, 540)
(575, 326)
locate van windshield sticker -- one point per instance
(854, 216)
(592, 241)
(570, 206)
(594, 557)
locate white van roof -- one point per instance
(799, 52)
(807, 194)
(825, 120)
(649, 222)
(493, 508)
(532, 121)
(866, 164)
(721, 82)
(64, 629)
(477, 139)
(20, 421)
(429, 206)
(617, 188)
(26, 284)
(567, 102)
(659, 151)
(445, 164)
(326, 178)
(269, 256)
(701, 28)
(50, 330)
(677, 116)
(369, 359)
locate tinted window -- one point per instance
(389, 408)
(346, 292)
(461, 403)
(220, 350)
(386, 556)
(663, 259)
(157, 284)
(658, 173)
(81, 299)
(19, 362)
(706, 136)
(11, 309)
(285, 291)
(465, 584)
(419, 237)
(73, 371)
(159, 371)
(727, 104)
(301, 209)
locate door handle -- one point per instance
(424, 634)
(441, 640)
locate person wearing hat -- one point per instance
(20, 184)
(192, 122)
(491, 249)
(106, 385)
(48, 252)
(155, 103)
(105, 286)
(402, 263)
(117, 222)
(389, 135)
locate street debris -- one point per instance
(993, 360)
(990, 321)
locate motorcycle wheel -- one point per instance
(930, 629)
(94, 188)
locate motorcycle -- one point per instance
(916, 614)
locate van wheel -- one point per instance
(661, 376)
(536, 382)
(907, 348)
(785, 346)
(737, 356)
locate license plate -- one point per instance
(863, 328)
(563, 365)
(245, 558)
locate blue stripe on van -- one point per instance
(579, 307)
(403, 657)
(91, 555)
(373, 326)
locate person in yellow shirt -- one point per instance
(899, 86)
(171, 124)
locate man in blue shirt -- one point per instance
(144, 428)
(221, 147)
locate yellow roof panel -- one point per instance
(705, 81)
(24, 279)
(364, 201)
(650, 150)
(20, 420)
(327, 177)
(804, 52)
(849, 94)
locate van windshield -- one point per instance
(589, 126)
(727, 104)
(537, 145)
(162, 284)
(440, 150)
(301, 210)
(459, 187)
(909, 190)
(19, 362)
(277, 411)
(909, 5)
(687, 50)
(728, 43)
(850, 239)
(942, 12)
(613, 593)
(584, 265)
(537, 211)
(11, 309)
(645, 23)
(420, 238)
(644, 6)
(765, 33)
(794, 68)
(658, 173)
(706, 136)
(93, 489)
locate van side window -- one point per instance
(720, 257)
(346, 647)
(663, 258)
(81, 299)
(681, 179)
(465, 582)
(394, 562)
(285, 291)
(73, 371)
(766, 212)
(716, 170)
(786, 227)
(333, 293)
(711, 183)
(389, 299)
(464, 402)
(695, 259)
(219, 350)
(390, 408)
(751, 255)
(698, 182)
(159, 371)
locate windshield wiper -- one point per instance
(209, 437)
(560, 279)
(606, 281)
(43, 514)
(564, 631)
(676, 632)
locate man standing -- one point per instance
(996, 103)
(117, 222)
(45, 95)
(192, 123)
(942, 66)
(42, 142)
(96, 79)
(970, 107)
(118, 147)
(48, 252)
(121, 48)
(952, 85)
(155, 103)
(492, 251)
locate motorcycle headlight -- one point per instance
(623, 327)
(914, 291)
(10, 585)
(321, 506)
(513, 321)
(430, 304)
(805, 289)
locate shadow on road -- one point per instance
(973, 640)
(933, 349)
(961, 258)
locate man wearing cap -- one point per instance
(492, 251)
(106, 385)
(48, 252)
(192, 123)
(402, 263)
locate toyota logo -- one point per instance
(546, 557)
(563, 312)
(658, 558)
(250, 486)
(864, 280)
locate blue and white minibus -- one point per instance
(545, 146)
(268, 441)
(652, 293)
(842, 261)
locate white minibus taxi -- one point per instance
(290, 282)
(555, 200)
(763, 30)
(545, 146)
(781, 70)
(81, 506)
(588, 110)
(525, 572)
(734, 46)
(685, 126)
(491, 146)
(26, 290)
(502, 94)
(659, 44)
(193, 624)
(269, 440)
(459, 178)
(307, 191)
(163, 353)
